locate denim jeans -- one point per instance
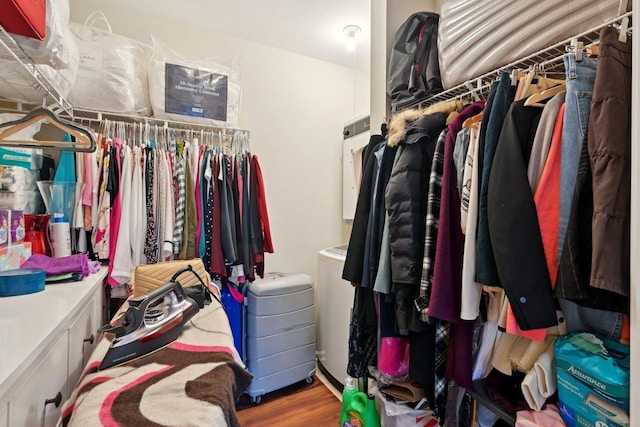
(580, 79)
(584, 319)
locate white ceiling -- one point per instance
(308, 27)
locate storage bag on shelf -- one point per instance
(58, 48)
(414, 71)
(477, 36)
(112, 75)
(56, 59)
(205, 91)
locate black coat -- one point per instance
(354, 262)
(406, 202)
(513, 223)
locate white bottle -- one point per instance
(60, 236)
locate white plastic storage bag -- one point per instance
(398, 415)
(205, 91)
(113, 69)
(63, 79)
(58, 48)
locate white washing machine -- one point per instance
(334, 304)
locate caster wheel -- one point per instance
(309, 380)
(256, 400)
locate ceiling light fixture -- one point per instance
(351, 31)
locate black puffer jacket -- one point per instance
(405, 201)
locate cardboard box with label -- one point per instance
(593, 381)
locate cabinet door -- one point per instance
(39, 401)
(98, 318)
(4, 415)
(82, 336)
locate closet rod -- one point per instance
(548, 58)
(98, 116)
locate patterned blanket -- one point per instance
(194, 381)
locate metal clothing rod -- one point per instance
(95, 116)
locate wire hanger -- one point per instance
(85, 138)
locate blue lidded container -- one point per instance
(21, 281)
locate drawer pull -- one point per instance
(89, 340)
(56, 400)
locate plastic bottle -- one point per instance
(371, 418)
(354, 405)
(60, 236)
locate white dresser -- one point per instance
(45, 340)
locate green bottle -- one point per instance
(354, 405)
(371, 418)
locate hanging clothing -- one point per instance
(227, 226)
(207, 227)
(169, 220)
(406, 201)
(197, 172)
(470, 290)
(609, 151)
(431, 225)
(547, 202)
(138, 209)
(115, 192)
(66, 169)
(542, 140)
(121, 261)
(261, 198)
(150, 243)
(580, 76)
(354, 260)
(188, 244)
(445, 290)
(486, 272)
(180, 185)
(513, 223)
(218, 267)
(100, 237)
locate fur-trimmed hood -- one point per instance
(398, 125)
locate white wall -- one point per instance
(295, 107)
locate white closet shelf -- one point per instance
(22, 84)
(548, 59)
(21, 80)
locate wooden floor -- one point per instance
(301, 404)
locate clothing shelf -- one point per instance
(548, 59)
(22, 83)
(479, 393)
(21, 78)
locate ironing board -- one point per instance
(194, 381)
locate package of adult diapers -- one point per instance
(593, 381)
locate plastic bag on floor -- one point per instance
(398, 415)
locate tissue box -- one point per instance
(13, 257)
(593, 381)
(4, 228)
(17, 228)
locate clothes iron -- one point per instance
(151, 322)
